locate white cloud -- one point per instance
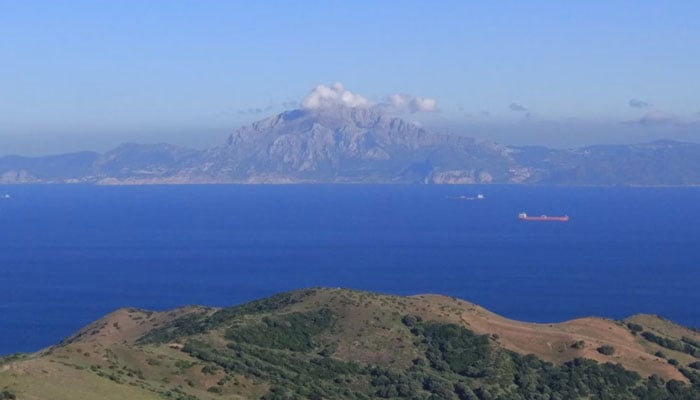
(423, 104)
(323, 96)
(398, 101)
(402, 102)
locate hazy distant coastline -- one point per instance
(361, 145)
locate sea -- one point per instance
(70, 254)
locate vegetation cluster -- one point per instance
(453, 363)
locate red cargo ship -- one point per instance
(524, 217)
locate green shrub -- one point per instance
(210, 369)
(452, 347)
(293, 331)
(578, 344)
(5, 394)
(634, 328)
(411, 320)
(685, 345)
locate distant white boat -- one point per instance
(6, 196)
(463, 197)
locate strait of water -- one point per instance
(70, 254)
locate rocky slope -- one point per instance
(343, 344)
(353, 145)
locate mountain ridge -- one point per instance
(362, 145)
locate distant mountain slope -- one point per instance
(361, 145)
(157, 163)
(657, 163)
(343, 344)
(62, 168)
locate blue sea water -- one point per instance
(70, 254)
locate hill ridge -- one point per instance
(303, 341)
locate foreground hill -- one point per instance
(361, 145)
(343, 344)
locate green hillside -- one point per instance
(343, 344)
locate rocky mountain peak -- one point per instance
(339, 119)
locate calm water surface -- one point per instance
(70, 254)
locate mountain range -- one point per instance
(361, 145)
(325, 343)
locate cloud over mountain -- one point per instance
(323, 96)
(337, 95)
(402, 102)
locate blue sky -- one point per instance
(88, 75)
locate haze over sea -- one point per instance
(70, 254)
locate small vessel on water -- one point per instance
(524, 217)
(463, 197)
